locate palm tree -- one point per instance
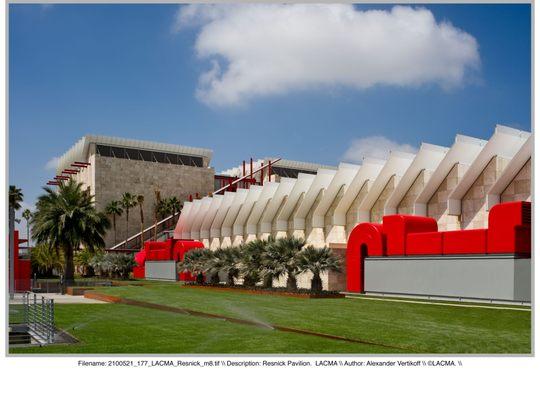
(215, 264)
(280, 259)
(317, 261)
(128, 201)
(157, 203)
(66, 219)
(82, 260)
(197, 261)
(114, 209)
(27, 214)
(15, 199)
(45, 260)
(253, 262)
(163, 208)
(174, 206)
(140, 203)
(231, 263)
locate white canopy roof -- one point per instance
(463, 151)
(269, 190)
(321, 182)
(239, 198)
(505, 143)
(302, 184)
(370, 168)
(254, 192)
(428, 158)
(217, 199)
(297, 165)
(215, 228)
(396, 165)
(79, 151)
(512, 169)
(199, 217)
(186, 209)
(186, 228)
(284, 189)
(343, 177)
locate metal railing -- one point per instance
(39, 317)
(134, 241)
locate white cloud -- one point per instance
(374, 147)
(260, 50)
(52, 164)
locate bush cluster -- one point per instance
(113, 265)
(260, 262)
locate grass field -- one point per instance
(411, 327)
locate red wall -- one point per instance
(509, 231)
(171, 249)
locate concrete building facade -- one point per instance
(117, 165)
(456, 186)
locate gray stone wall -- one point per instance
(115, 176)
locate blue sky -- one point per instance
(123, 70)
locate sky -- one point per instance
(305, 82)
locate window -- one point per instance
(145, 155)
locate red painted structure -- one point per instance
(509, 232)
(21, 267)
(168, 250)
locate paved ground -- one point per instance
(61, 299)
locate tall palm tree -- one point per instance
(67, 219)
(114, 209)
(27, 215)
(157, 202)
(15, 199)
(174, 206)
(280, 259)
(163, 208)
(140, 203)
(317, 261)
(128, 201)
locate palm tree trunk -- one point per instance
(142, 226)
(291, 282)
(69, 271)
(316, 283)
(127, 227)
(155, 225)
(114, 228)
(11, 252)
(28, 237)
(267, 281)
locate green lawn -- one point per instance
(419, 328)
(118, 328)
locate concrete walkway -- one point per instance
(61, 299)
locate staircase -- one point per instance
(18, 335)
(163, 228)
